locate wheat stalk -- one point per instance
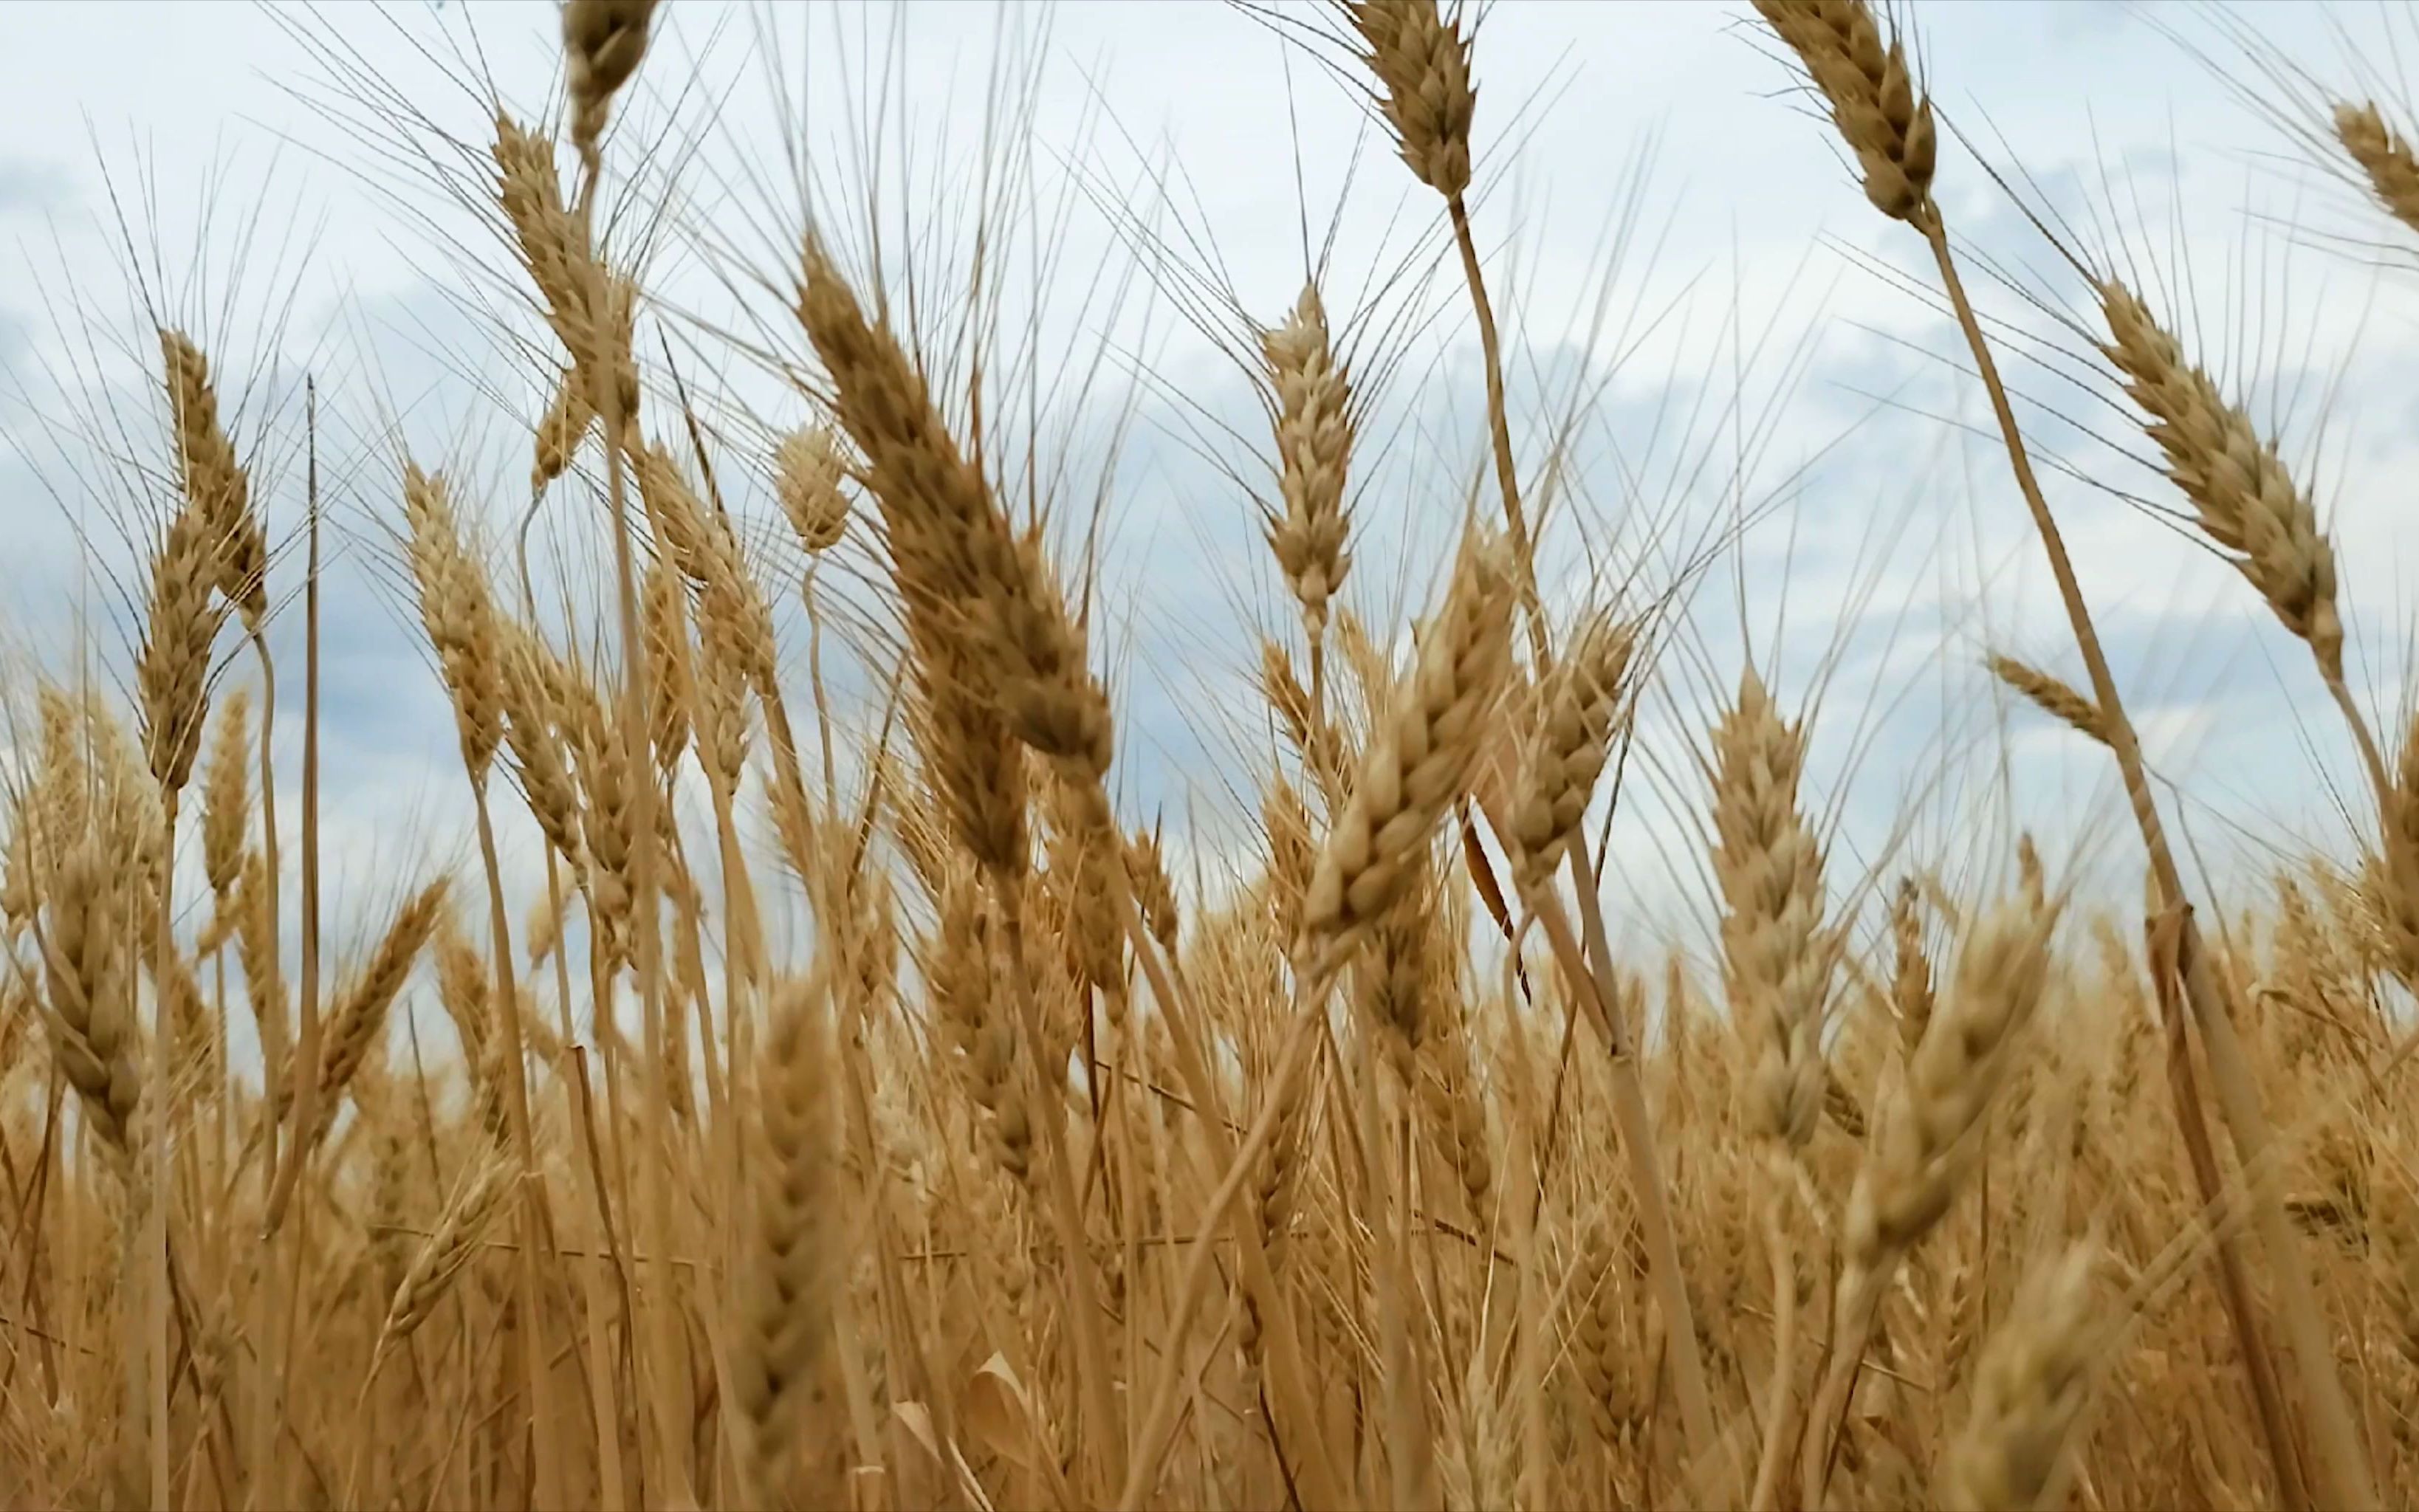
(2284, 550)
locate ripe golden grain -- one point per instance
(953, 1099)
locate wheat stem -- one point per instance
(2347, 1481)
(1507, 482)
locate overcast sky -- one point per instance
(1674, 237)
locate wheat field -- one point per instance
(797, 1067)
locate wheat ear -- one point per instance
(2385, 155)
(226, 803)
(1768, 865)
(457, 615)
(2031, 1386)
(174, 663)
(360, 1013)
(947, 546)
(1565, 749)
(214, 482)
(2051, 696)
(603, 42)
(450, 1245)
(264, 982)
(781, 1340)
(1926, 1140)
(91, 1005)
(1871, 95)
(1310, 396)
(1421, 761)
(1421, 59)
(2243, 497)
(808, 471)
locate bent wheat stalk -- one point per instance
(1419, 57)
(1875, 102)
(2347, 1480)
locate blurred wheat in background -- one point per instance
(824, 1044)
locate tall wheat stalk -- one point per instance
(1419, 58)
(1886, 122)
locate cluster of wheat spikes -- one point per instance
(1033, 1179)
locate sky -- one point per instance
(1776, 438)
